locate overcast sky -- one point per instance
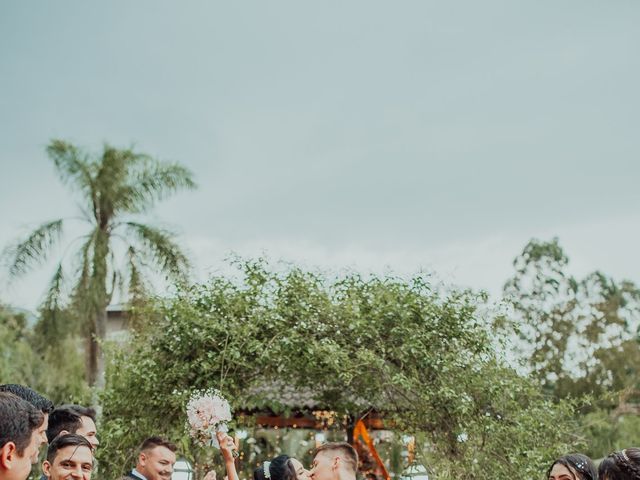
(370, 135)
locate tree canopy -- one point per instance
(27, 358)
(424, 359)
(578, 336)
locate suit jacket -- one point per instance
(131, 476)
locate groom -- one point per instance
(334, 461)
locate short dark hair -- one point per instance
(18, 420)
(34, 398)
(69, 418)
(578, 463)
(344, 450)
(280, 468)
(69, 440)
(153, 442)
(622, 465)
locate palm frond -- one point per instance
(85, 256)
(115, 278)
(137, 285)
(154, 182)
(72, 165)
(53, 324)
(158, 246)
(34, 249)
(53, 301)
(83, 261)
(116, 168)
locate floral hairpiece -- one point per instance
(265, 467)
(581, 465)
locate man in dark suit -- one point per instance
(155, 460)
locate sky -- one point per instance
(354, 135)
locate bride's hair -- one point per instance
(280, 468)
(580, 464)
(622, 465)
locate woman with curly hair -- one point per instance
(572, 467)
(622, 465)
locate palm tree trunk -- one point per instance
(100, 300)
(95, 356)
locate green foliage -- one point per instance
(114, 187)
(54, 369)
(580, 339)
(578, 336)
(424, 360)
(609, 433)
(17, 359)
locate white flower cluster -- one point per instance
(207, 413)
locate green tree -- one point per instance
(578, 336)
(115, 188)
(55, 369)
(17, 359)
(424, 360)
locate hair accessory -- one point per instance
(265, 467)
(624, 455)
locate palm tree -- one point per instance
(115, 187)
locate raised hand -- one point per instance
(227, 446)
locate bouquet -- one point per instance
(208, 413)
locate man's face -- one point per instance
(88, 431)
(157, 463)
(41, 433)
(74, 462)
(20, 464)
(324, 467)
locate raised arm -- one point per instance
(226, 448)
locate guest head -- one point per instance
(19, 439)
(573, 467)
(334, 461)
(622, 465)
(156, 458)
(282, 467)
(41, 403)
(73, 419)
(69, 457)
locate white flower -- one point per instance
(207, 413)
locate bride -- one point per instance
(282, 467)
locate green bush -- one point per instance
(424, 359)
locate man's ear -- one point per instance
(8, 454)
(46, 468)
(142, 458)
(63, 432)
